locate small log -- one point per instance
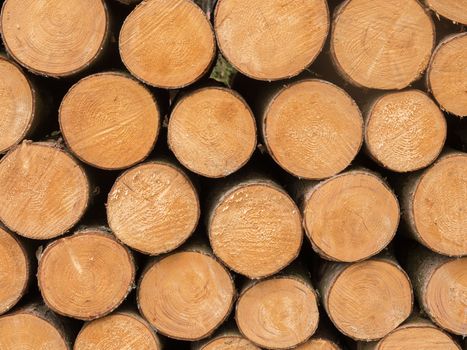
(120, 330)
(454, 10)
(319, 344)
(153, 207)
(186, 295)
(212, 131)
(440, 284)
(278, 313)
(349, 217)
(312, 128)
(86, 275)
(254, 227)
(368, 299)
(404, 131)
(434, 205)
(271, 40)
(326, 337)
(167, 44)
(228, 338)
(34, 327)
(46, 190)
(446, 75)
(55, 38)
(15, 270)
(110, 120)
(381, 44)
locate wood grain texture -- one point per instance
(228, 338)
(318, 344)
(455, 10)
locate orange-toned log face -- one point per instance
(455, 10)
(271, 40)
(230, 343)
(153, 208)
(46, 190)
(212, 132)
(313, 129)
(16, 105)
(109, 120)
(54, 37)
(318, 344)
(116, 332)
(278, 313)
(167, 44)
(86, 275)
(14, 271)
(351, 216)
(255, 229)
(440, 206)
(382, 44)
(186, 295)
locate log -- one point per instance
(434, 205)
(446, 74)
(225, 339)
(212, 131)
(56, 38)
(404, 131)
(15, 270)
(167, 44)
(381, 44)
(440, 284)
(110, 120)
(86, 275)
(349, 217)
(454, 10)
(326, 337)
(278, 313)
(312, 128)
(153, 207)
(186, 295)
(271, 40)
(47, 191)
(254, 226)
(34, 327)
(319, 344)
(368, 299)
(124, 329)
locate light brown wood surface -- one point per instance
(318, 344)
(212, 131)
(46, 190)
(229, 339)
(57, 37)
(167, 43)
(153, 207)
(350, 216)
(455, 10)
(86, 275)
(404, 131)
(271, 40)
(109, 120)
(447, 74)
(381, 44)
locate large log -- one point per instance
(46, 190)
(381, 44)
(454, 10)
(109, 120)
(55, 38)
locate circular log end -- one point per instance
(319, 344)
(230, 342)
(455, 10)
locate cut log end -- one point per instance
(212, 132)
(153, 208)
(454, 10)
(109, 120)
(447, 72)
(271, 40)
(167, 45)
(186, 295)
(313, 129)
(85, 276)
(14, 271)
(48, 51)
(405, 131)
(255, 229)
(116, 332)
(351, 217)
(229, 342)
(17, 105)
(46, 189)
(261, 308)
(439, 209)
(382, 44)
(319, 344)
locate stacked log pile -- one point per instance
(233, 174)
